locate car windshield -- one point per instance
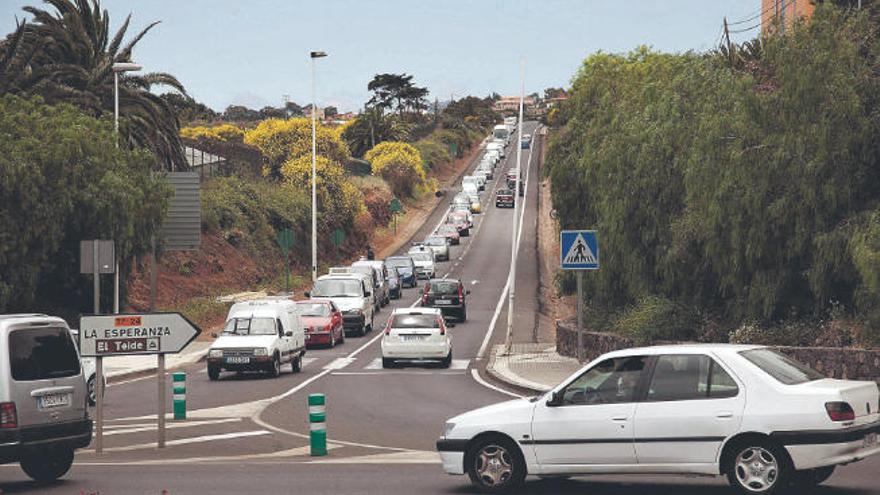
(422, 257)
(415, 321)
(42, 353)
(250, 326)
(444, 287)
(781, 367)
(435, 241)
(337, 288)
(399, 262)
(446, 229)
(313, 309)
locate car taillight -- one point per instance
(8, 416)
(388, 327)
(425, 294)
(328, 327)
(840, 411)
(460, 293)
(442, 327)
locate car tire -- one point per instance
(447, 361)
(758, 467)
(296, 364)
(91, 390)
(463, 316)
(213, 373)
(495, 465)
(388, 363)
(812, 477)
(47, 466)
(275, 370)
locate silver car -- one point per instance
(43, 413)
(440, 246)
(423, 257)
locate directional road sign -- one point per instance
(580, 250)
(144, 333)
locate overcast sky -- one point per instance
(251, 52)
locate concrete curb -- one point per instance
(188, 359)
(499, 370)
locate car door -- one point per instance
(284, 341)
(589, 421)
(691, 405)
(335, 320)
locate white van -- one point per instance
(472, 179)
(500, 131)
(496, 146)
(259, 335)
(352, 294)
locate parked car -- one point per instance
(424, 261)
(504, 198)
(322, 322)
(448, 295)
(43, 413)
(416, 334)
(259, 335)
(352, 294)
(749, 413)
(440, 246)
(406, 267)
(395, 286)
(450, 232)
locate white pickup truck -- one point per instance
(259, 335)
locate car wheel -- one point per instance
(447, 361)
(296, 364)
(463, 316)
(275, 370)
(92, 390)
(213, 373)
(758, 467)
(495, 465)
(388, 363)
(47, 466)
(812, 477)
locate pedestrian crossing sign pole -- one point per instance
(579, 250)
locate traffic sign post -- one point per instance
(285, 242)
(579, 251)
(337, 237)
(395, 208)
(134, 334)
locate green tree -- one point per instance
(396, 92)
(373, 127)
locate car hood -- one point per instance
(345, 303)
(511, 411)
(243, 341)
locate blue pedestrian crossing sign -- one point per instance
(580, 250)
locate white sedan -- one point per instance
(416, 334)
(749, 413)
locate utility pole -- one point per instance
(515, 235)
(727, 36)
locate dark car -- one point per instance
(406, 268)
(504, 198)
(447, 294)
(322, 323)
(394, 283)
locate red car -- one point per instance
(450, 232)
(322, 322)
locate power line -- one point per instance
(761, 14)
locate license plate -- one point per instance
(411, 338)
(442, 301)
(870, 440)
(54, 400)
(238, 360)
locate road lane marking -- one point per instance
(339, 363)
(479, 379)
(186, 441)
(398, 372)
(126, 429)
(457, 364)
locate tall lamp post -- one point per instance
(313, 56)
(117, 68)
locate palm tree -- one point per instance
(371, 128)
(72, 62)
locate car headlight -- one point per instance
(215, 353)
(447, 429)
(261, 351)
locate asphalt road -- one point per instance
(248, 434)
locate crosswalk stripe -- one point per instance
(457, 364)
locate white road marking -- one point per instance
(137, 428)
(476, 375)
(338, 363)
(398, 372)
(457, 364)
(186, 441)
(474, 282)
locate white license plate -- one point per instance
(870, 440)
(442, 301)
(411, 338)
(238, 360)
(54, 400)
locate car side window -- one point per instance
(689, 377)
(612, 381)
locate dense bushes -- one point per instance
(747, 192)
(339, 201)
(433, 153)
(62, 180)
(400, 164)
(281, 140)
(222, 132)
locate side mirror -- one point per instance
(288, 333)
(307, 294)
(555, 399)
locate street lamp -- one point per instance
(117, 68)
(313, 56)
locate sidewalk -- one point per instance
(536, 367)
(120, 367)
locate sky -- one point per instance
(252, 52)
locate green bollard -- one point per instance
(179, 394)
(317, 425)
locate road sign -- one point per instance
(395, 206)
(337, 236)
(285, 239)
(102, 250)
(580, 250)
(126, 334)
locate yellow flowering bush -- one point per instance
(222, 132)
(282, 140)
(339, 200)
(400, 164)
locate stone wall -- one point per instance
(835, 362)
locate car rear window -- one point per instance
(313, 309)
(781, 367)
(42, 353)
(444, 287)
(415, 321)
(399, 262)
